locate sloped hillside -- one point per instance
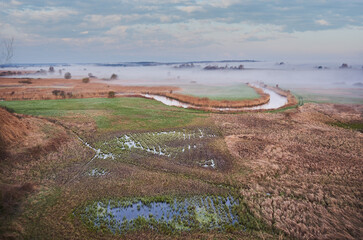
(12, 129)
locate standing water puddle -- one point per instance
(199, 212)
(170, 144)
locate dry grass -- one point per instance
(206, 102)
(304, 175)
(56, 169)
(42, 89)
(294, 171)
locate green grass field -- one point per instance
(232, 92)
(74, 175)
(340, 96)
(111, 114)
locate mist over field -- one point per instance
(288, 75)
(300, 77)
(182, 119)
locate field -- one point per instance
(306, 171)
(288, 174)
(233, 92)
(333, 95)
(116, 114)
(240, 95)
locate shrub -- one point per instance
(111, 94)
(91, 75)
(85, 80)
(114, 76)
(67, 75)
(55, 92)
(62, 94)
(59, 93)
(27, 81)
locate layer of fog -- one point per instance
(291, 76)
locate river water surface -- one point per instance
(276, 101)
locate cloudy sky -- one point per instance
(183, 30)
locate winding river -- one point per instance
(276, 101)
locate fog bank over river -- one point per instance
(310, 78)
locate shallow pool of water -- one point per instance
(198, 212)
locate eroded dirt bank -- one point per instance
(304, 175)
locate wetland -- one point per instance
(127, 167)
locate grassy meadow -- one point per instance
(211, 176)
(177, 154)
(232, 92)
(111, 114)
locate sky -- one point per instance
(91, 31)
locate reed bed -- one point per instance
(206, 102)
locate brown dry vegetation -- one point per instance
(12, 129)
(305, 176)
(291, 99)
(206, 102)
(10, 73)
(12, 89)
(42, 185)
(295, 171)
(24, 142)
(44, 89)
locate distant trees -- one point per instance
(6, 50)
(114, 76)
(85, 80)
(111, 94)
(90, 75)
(210, 67)
(67, 75)
(344, 65)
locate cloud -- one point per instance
(96, 20)
(43, 14)
(219, 3)
(107, 21)
(165, 25)
(190, 9)
(118, 30)
(16, 3)
(322, 22)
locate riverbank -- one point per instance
(12, 89)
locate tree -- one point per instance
(7, 50)
(111, 94)
(114, 76)
(67, 75)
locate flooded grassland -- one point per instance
(135, 168)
